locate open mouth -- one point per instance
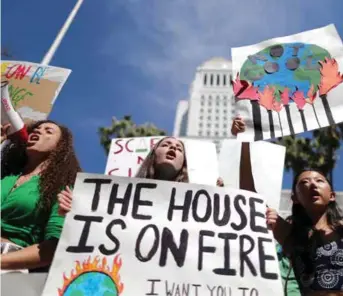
(33, 138)
(171, 154)
(315, 195)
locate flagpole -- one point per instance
(49, 55)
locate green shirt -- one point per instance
(285, 266)
(21, 222)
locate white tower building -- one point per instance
(209, 112)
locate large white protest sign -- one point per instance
(267, 164)
(127, 154)
(127, 236)
(289, 85)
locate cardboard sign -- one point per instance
(33, 88)
(289, 85)
(127, 236)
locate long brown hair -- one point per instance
(61, 170)
(147, 169)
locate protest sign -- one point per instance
(32, 87)
(288, 85)
(267, 164)
(127, 236)
(127, 154)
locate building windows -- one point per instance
(200, 124)
(211, 80)
(209, 110)
(205, 79)
(218, 80)
(209, 125)
(210, 104)
(224, 125)
(225, 98)
(217, 110)
(217, 125)
(224, 118)
(208, 133)
(217, 134)
(225, 103)
(217, 118)
(201, 117)
(224, 79)
(201, 110)
(225, 134)
(202, 103)
(225, 111)
(210, 98)
(208, 117)
(200, 133)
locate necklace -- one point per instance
(23, 180)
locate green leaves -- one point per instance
(126, 128)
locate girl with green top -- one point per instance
(32, 176)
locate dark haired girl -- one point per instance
(314, 240)
(32, 176)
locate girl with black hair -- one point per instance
(314, 240)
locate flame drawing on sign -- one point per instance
(93, 277)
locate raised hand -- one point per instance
(65, 198)
(4, 131)
(238, 126)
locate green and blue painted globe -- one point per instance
(291, 65)
(92, 284)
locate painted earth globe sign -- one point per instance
(286, 73)
(289, 65)
(92, 284)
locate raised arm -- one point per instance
(280, 227)
(32, 257)
(246, 179)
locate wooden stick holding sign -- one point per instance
(127, 236)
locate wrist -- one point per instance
(4, 261)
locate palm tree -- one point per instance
(126, 128)
(317, 152)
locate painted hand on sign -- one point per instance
(330, 77)
(305, 71)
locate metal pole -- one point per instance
(49, 55)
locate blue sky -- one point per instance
(139, 56)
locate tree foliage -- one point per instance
(126, 128)
(317, 152)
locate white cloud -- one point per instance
(167, 39)
(29, 113)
